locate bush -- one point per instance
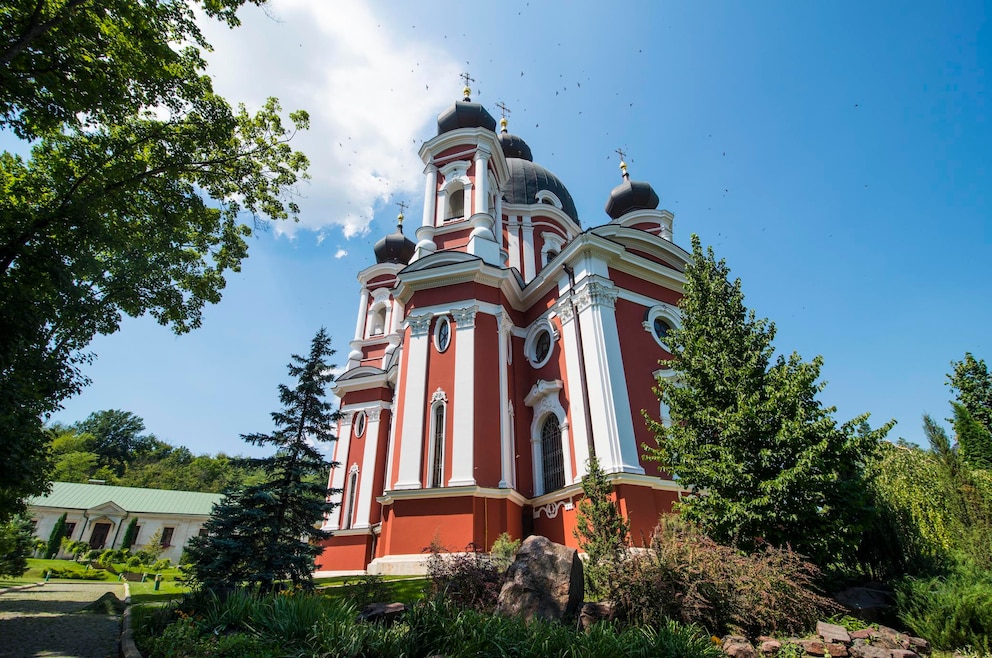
(161, 565)
(504, 551)
(686, 576)
(73, 574)
(366, 589)
(953, 612)
(470, 580)
(16, 544)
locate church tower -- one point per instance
(493, 355)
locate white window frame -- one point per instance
(666, 312)
(436, 440)
(530, 342)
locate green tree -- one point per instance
(600, 527)
(117, 437)
(269, 531)
(971, 384)
(55, 539)
(130, 533)
(16, 546)
(119, 209)
(764, 458)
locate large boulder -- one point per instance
(545, 580)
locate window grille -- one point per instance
(437, 454)
(552, 460)
(350, 510)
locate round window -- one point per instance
(661, 329)
(442, 334)
(542, 347)
(539, 344)
(360, 423)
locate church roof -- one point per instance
(72, 495)
(465, 114)
(528, 178)
(631, 195)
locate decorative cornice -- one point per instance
(464, 317)
(596, 293)
(564, 309)
(439, 395)
(543, 390)
(419, 324)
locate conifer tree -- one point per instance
(55, 539)
(600, 527)
(266, 532)
(971, 383)
(130, 533)
(766, 461)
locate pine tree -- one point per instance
(266, 532)
(55, 539)
(764, 458)
(600, 527)
(130, 533)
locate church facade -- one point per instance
(496, 353)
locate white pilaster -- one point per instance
(463, 415)
(363, 309)
(414, 400)
(513, 241)
(580, 434)
(506, 472)
(481, 180)
(341, 447)
(371, 439)
(530, 269)
(613, 427)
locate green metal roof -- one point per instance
(70, 495)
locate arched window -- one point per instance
(456, 204)
(552, 459)
(435, 474)
(378, 325)
(349, 509)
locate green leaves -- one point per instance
(766, 461)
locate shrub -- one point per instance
(953, 612)
(686, 576)
(601, 529)
(162, 564)
(16, 543)
(470, 580)
(503, 552)
(365, 590)
(133, 563)
(73, 574)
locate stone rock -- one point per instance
(869, 651)
(594, 612)
(381, 613)
(832, 632)
(813, 647)
(863, 634)
(919, 645)
(545, 580)
(836, 650)
(769, 647)
(737, 646)
(904, 653)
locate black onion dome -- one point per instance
(394, 248)
(527, 179)
(514, 147)
(465, 114)
(631, 195)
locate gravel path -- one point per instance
(47, 621)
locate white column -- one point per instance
(371, 439)
(513, 242)
(481, 180)
(363, 309)
(613, 426)
(414, 403)
(338, 474)
(430, 196)
(579, 434)
(530, 268)
(498, 228)
(463, 414)
(506, 479)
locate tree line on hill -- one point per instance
(111, 446)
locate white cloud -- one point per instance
(371, 90)
(340, 253)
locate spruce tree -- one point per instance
(600, 527)
(130, 533)
(765, 460)
(55, 539)
(268, 531)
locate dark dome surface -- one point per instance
(464, 114)
(631, 195)
(394, 248)
(514, 147)
(527, 179)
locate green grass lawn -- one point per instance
(403, 589)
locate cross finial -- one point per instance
(403, 206)
(505, 110)
(623, 163)
(467, 90)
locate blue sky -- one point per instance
(838, 155)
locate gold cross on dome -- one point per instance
(466, 78)
(403, 206)
(503, 108)
(623, 156)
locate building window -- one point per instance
(378, 325)
(442, 334)
(550, 256)
(69, 529)
(202, 532)
(349, 510)
(456, 204)
(539, 343)
(659, 321)
(552, 459)
(435, 478)
(167, 536)
(360, 421)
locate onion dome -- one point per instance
(395, 247)
(527, 179)
(465, 114)
(513, 146)
(631, 195)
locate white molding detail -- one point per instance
(540, 325)
(419, 324)
(551, 509)
(464, 317)
(596, 293)
(415, 384)
(462, 439)
(548, 195)
(667, 312)
(439, 395)
(543, 399)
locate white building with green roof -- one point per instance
(99, 514)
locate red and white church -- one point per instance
(495, 353)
